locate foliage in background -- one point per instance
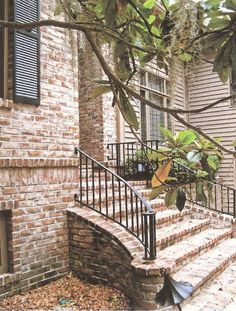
(186, 149)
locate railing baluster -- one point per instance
(126, 208)
(100, 191)
(132, 209)
(93, 182)
(120, 202)
(81, 177)
(137, 214)
(113, 198)
(106, 192)
(86, 176)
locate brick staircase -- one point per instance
(195, 245)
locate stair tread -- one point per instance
(176, 228)
(191, 245)
(200, 269)
(220, 294)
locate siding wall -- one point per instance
(204, 88)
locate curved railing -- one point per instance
(110, 195)
(218, 197)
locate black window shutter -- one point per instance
(26, 54)
(1, 49)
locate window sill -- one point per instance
(8, 278)
(6, 104)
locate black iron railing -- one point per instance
(107, 193)
(210, 194)
(130, 159)
(214, 195)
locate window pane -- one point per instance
(142, 78)
(156, 83)
(156, 117)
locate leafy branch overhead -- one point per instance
(186, 149)
(139, 31)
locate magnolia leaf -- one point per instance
(180, 200)
(156, 155)
(211, 160)
(167, 133)
(151, 19)
(161, 174)
(185, 57)
(170, 197)
(128, 111)
(194, 156)
(186, 137)
(149, 4)
(201, 173)
(100, 90)
(155, 192)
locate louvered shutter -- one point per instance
(1, 50)
(26, 54)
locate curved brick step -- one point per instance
(218, 295)
(181, 253)
(208, 266)
(177, 232)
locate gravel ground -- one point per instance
(68, 293)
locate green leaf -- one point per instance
(128, 111)
(155, 192)
(201, 173)
(194, 156)
(212, 161)
(151, 19)
(167, 133)
(100, 90)
(170, 197)
(234, 143)
(186, 137)
(149, 4)
(185, 57)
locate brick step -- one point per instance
(208, 266)
(123, 209)
(181, 253)
(87, 196)
(163, 218)
(95, 185)
(177, 232)
(218, 295)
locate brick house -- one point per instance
(43, 117)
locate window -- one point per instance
(3, 245)
(19, 73)
(157, 90)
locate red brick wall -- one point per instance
(38, 168)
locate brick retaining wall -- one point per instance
(98, 254)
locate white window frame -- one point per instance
(163, 95)
(3, 244)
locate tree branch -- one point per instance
(199, 130)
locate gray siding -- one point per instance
(205, 88)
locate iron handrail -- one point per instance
(222, 194)
(143, 218)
